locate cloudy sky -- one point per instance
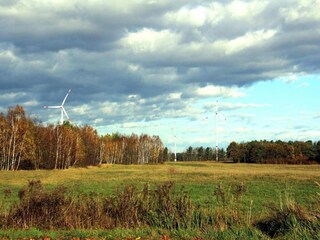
(157, 67)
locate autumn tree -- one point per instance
(273, 152)
(91, 143)
(16, 138)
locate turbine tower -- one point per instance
(217, 146)
(217, 115)
(175, 143)
(175, 146)
(63, 111)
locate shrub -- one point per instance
(38, 208)
(291, 218)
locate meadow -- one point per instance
(245, 196)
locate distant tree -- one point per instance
(189, 154)
(222, 155)
(200, 153)
(166, 155)
(180, 156)
(317, 146)
(310, 151)
(233, 152)
(208, 153)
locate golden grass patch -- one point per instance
(180, 172)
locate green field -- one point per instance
(266, 185)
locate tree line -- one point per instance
(28, 144)
(277, 152)
(199, 154)
(280, 152)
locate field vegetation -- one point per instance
(182, 200)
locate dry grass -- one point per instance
(195, 172)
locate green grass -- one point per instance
(265, 184)
(145, 233)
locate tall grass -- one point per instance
(217, 202)
(290, 220)
(162, 206)
(156, 207)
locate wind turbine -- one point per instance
(217, 115)
(63, 111)
(175, 145)
(217, 146)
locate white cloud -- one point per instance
(301, 11)
(142, 101)
(215, 91)
(133, 96)
(133, 67)
(31, 103)
(97, 120)
(248, 40)
(302, 136)
(12, 96)
(82, 109)
(110, 107)
(215, 12)
(7, 54)
(290, 79)
(225, 106)
(174, 96)
(44, 15)
(132, 125)
(242, 9)
(163, 76)
(150, 40)
(303, 85)
(197, 16)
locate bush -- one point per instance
(128, 208)
(38, 208)
(290, 219)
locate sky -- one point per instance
(158, 67)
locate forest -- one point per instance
(272, 152)
(201, 154)
(279, 152)
(27, 144)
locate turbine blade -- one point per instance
(65, 112)
(61, 119)
(51, 106)
(65, 98)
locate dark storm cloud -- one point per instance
(37, 26)
(154, 50)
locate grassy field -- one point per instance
(265, 185)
